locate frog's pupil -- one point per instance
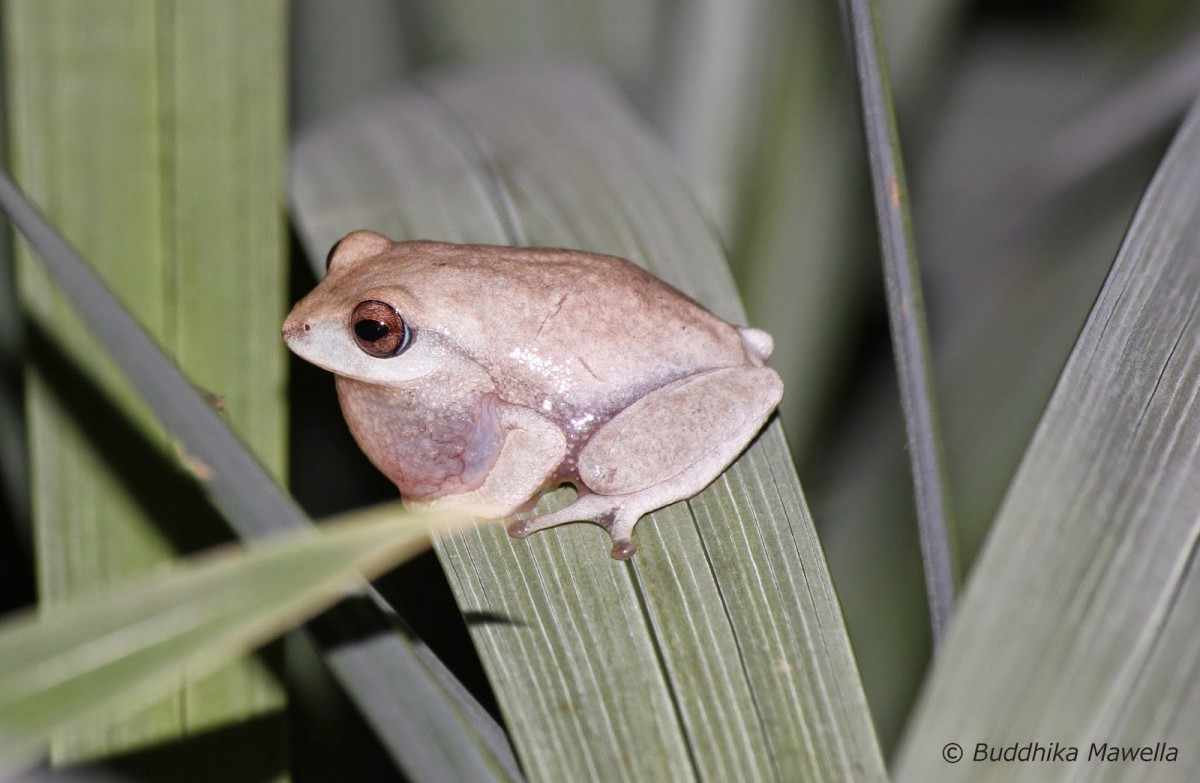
(371, 331)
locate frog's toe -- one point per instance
(522, 528)
(620, 527)
(623, 549)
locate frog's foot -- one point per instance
(618, 514)
(610, 513)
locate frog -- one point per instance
(483, 376)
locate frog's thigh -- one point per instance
(533, 449)
(680, 437)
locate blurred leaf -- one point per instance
(798, 195)
(625, 36)
(1142, 22)
(1078, 624)
(14, 476)
(1007, 288)
(346, 51)
(797, 215)
(917, 35)
(1014, 259)
(16, 581)
(69, 775)
(114, 650)
(718, 652)
(1144, 107)
(718, 72)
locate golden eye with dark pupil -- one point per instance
(379, 330)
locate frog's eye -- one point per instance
(379, 330)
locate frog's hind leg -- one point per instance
(664, 448)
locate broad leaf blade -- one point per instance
(1078, 624)
(720, 651)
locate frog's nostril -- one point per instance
(293, 330)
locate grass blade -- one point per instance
(910, 341)
(1078, 623)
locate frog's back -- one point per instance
(588, 323)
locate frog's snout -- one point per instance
(294, 328)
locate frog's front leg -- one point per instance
(532, 449)
(667, 446)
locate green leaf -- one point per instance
(114, 650)
(1078, 623)
(719, 652)
(154, 135)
